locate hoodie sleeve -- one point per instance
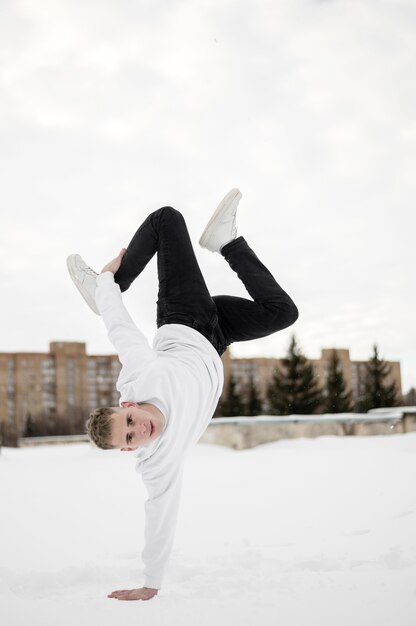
(161, 514)
(130, 343)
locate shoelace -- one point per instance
(89, 271)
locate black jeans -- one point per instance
(183, 296)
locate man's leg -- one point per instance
(272, 309)
(183, 296)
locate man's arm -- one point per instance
(161, 514)
(130, 343)
(161, 509)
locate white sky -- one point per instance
(109, 110)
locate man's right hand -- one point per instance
(144, 593)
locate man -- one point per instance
(169, 391)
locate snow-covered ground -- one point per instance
(296, 532)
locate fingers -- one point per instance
(114, 265)
(125, 594)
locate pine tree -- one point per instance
(337, 399)
(30, 429)
(232, 405)
(410, 398)
(254, 404)
(294, 388)
(376, 393)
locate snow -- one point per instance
(395, 409)
(296, 532)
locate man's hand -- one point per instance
(113, 265)
(144, 593)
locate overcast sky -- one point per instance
(110, 109)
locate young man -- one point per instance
(169, 391)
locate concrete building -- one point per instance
(52, 393)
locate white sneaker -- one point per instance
(221, 228)
(85, 279)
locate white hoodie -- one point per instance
(182, 375)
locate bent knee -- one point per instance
(170, 211)
(292, 314)
(284, 315)
(167, 214)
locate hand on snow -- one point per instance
(144, 593)
(113, 265)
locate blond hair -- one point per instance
(99, 427)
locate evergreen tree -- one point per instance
(410, 398)
(254, 403)
(337, 399)
(377, 393)
(232, 405)
(294, 388)
(30, 429)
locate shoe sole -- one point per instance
(231, 195)
(73, 270)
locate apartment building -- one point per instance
(52, 393)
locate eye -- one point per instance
(129, 423)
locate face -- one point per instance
(134, 427)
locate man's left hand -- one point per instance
(144, 593)
(114, 265)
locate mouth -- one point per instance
(151, 429)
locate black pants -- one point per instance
(183, 296)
